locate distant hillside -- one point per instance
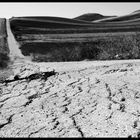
(49, 24)
(51, 19)
(137, 11)
(91, 17)
(133, 16)
(86, 23)
(64, 39)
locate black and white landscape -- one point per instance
(70, 77)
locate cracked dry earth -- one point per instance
(93, 101)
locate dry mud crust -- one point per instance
(90, 101)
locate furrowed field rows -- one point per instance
(63, 39)
(71, 37)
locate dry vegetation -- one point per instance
(96, 47)
(4, 50)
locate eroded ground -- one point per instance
(88, 101)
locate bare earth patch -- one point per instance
(84, 101)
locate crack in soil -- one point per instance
(41, 75)
(77, 127)
(35, 131)
(9, 120)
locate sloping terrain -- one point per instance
(53, 23)
(62, 23)
(62, 39)
(129, 17)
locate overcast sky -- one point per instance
(66, 9)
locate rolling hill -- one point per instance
(132, 16)
(94, 22)
(92, 17)
(89, 36)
